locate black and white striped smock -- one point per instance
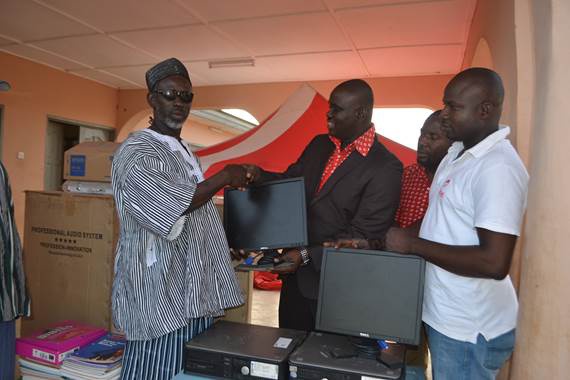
(168, 269)
(14, 300)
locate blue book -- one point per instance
(105, 351)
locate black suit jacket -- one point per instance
(359, 200)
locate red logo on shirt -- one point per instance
(442, 189)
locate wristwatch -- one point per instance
(304, 255)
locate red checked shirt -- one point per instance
(414, 196)
(362, 145)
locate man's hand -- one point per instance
(253, 172)
(293, 257)
(240, 176)
(399, 240)
(238, 254)
(235, 175)
(348, 243)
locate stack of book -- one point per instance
(33, 370)
(101, 359)
(42, 353)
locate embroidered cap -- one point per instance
(165, 69)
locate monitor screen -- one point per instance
(371, 294)
(267, 216)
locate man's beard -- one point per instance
(174, 125)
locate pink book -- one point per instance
(52, 344)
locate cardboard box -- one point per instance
(69, 250)
(89, 161)
(54, 343)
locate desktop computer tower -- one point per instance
(240, 351)
(334, 357)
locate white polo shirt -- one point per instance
(486, 187)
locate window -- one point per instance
(401, 125)
(233, 121)
(241, 114)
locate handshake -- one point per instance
(240, 176)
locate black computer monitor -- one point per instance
(267, 216)
(371, 294)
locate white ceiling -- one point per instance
(115, 41)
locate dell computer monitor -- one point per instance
(371, 294)
(267, 216)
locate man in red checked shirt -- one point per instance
(416, 180)
(352, 187)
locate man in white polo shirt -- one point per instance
(476, 206)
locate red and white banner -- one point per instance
(279, 141)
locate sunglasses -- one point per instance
(170, 95)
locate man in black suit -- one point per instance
(352, 185)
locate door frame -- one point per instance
(78, 123)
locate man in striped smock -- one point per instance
(173, 270)
(14, 301)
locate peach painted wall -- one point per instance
(544, 313)
(38, 91)
(526, 68)
(262, 99)
(495, 22)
